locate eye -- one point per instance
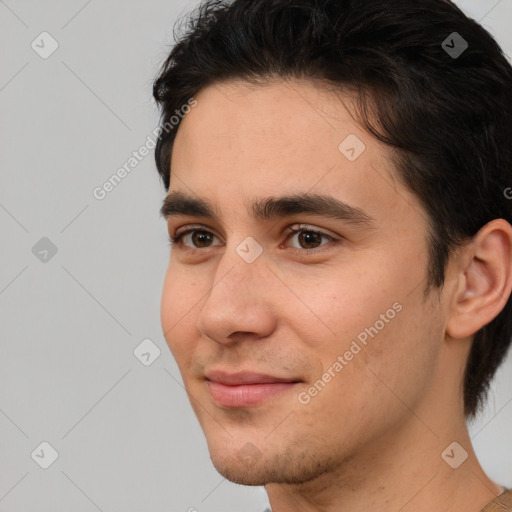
(195, 238)
(200, 238)
(308, 238)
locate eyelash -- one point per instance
(177, 239)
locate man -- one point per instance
(338, 291)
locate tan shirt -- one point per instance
(502, 503)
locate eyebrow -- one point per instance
(268, 208)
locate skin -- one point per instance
(372, 438)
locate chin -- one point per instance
(245, 465)
(248, 466)
(243, 475)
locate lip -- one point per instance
(239, 378)
(245, 389)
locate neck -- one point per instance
(403, 470)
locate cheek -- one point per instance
(395, 366)
(383, 379)
(380, 325)
(180, 295)
(347, 306)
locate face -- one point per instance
(294, 327)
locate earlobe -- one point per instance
(485, 280)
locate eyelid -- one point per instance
(291, 229)
(294, 228)
(191, 227)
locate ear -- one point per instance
(484, 280)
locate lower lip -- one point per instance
(245, 395)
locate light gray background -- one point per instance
(126, 436)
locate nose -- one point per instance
(241, 302)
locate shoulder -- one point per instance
(502, 503)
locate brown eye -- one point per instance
(309, 239)
(200, 238)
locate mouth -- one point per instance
(245, 389)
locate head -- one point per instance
(408, 297)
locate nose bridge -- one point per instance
(242, 264)
(239, 299)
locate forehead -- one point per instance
(242, 142)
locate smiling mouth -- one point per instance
(245, 395)
(245, 389)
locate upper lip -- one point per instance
(239, 378)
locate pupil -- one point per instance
(200, 234)
(309, 237)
